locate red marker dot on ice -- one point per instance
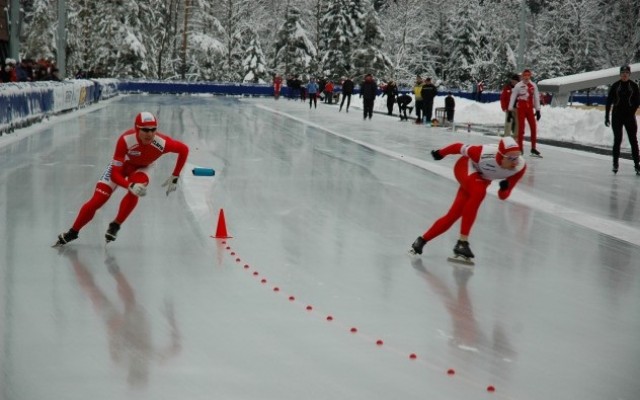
(451, 371)
(276, 289)
(291, 298)
(413, 356)
(491, 389)
(354, 330)
(379, 342)
(309, 308)
(329, 318)
(264, 281)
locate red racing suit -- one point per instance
(474, 171)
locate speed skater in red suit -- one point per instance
(474, 171)
(136, 151)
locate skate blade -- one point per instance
(461, 260)
(57, 245)
(534, 156)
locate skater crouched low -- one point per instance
(136, 150)
(474, 171)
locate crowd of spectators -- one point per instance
(28, 70)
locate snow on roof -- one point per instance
(585, 80)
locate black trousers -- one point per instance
(367, 104)
(625, 120)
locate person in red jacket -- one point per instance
(474, 171)
(277, 86)
(510, 117)
(526, 99)
(136, 150)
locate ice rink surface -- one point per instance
(314, 297)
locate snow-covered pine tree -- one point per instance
(294, 49)
(402, 37)
(468, 50)
(338, 36)
(254, 63)
(39, 40)
(368, 57)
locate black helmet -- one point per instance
(625, 68)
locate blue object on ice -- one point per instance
(203, 171)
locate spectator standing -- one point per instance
(368, 92)
(403, 103)
(488, 162)
(9, 71)
(525, 99)
(328, 92)
(428, 92)
(479, 90)
(312, 91)
(449, 107)
(136, 151)
(510, 117)
(277, 86)
(417, 94)
(347, 91)
(391, 91)
(624, 98)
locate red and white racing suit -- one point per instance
(478, 166)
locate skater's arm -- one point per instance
(175, 146)
(118, 163)
(470, 151)
(506, 188)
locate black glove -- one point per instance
(509, 116)
(606, 121)
(436, 155)
(504, 184)
(537, 115)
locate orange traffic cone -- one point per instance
(221, 230)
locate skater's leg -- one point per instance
(616, 127)
(444, 223)
(520, 117)
(533, 128)
(88, 210)
(477, 190)
(130, 200)
(631, 127)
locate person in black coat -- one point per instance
(347, 91)
(391, 91)
(368, 91)
(449, 107)
(624, 97)
(429, 92)
(403, 103)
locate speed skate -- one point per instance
(459, 259)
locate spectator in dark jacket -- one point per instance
(368, 91)
(403, 103)
(391, 91)
(429, 92)
(347, 91)
(624, 97)
(449, 107)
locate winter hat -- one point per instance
(146, 119)
(515, 77)
(506, 145)
(625, 68)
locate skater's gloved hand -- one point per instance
(606, 121)
(505, 190)
(537, 115)
(139, 189)
(436, 155)
(171, 183)
(509, 116)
